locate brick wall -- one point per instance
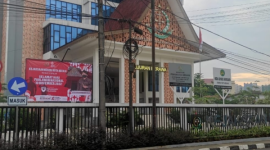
(172, 42)
(127, 83)
(168, 93)
(33, 33)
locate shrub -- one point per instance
(93, 140)
(27, 119)
(121, 119)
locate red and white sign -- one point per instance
(58, 81)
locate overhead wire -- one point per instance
(214, 33)
(225, 6)
(88, 16)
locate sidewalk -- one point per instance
(251, 143)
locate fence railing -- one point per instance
(45, 119)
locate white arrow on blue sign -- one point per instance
(17, 86)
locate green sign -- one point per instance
(165, 31)
(222, 72)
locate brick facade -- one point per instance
(168, 93)
(33, 33)
(173, 42)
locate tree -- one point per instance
(203, 93)
(266, 99)
(248, 96)
(3, 98)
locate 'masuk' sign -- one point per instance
(17, 100)
(222, 78)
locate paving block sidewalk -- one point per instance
(237, 144)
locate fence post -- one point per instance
(60, 120)
(16, 123)
(186, 121)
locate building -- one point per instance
(252, 86)
(48, 36)
(239, 88)
(235, 88)
(208, 81)
(265, 88)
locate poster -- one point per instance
(222, 78)
(55, 81)
(180, 75)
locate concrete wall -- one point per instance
(13, 64)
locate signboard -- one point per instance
(180, 75)
(58, 81)
(149, 68)
(17, 100)
(222, 78)
(17, 86)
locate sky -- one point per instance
(255, 35)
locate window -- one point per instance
(56, 36)
(150, 87)
(184, 89)
(107, 11)
(116, 1)
(63, 10)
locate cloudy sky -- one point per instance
(249, 27)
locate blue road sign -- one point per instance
(17, 86)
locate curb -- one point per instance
(241, 147)
(206, 144)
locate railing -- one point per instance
(45, 119)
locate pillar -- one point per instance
(192, 80)
(121, 80)
(95, 77)
(161, 84)
(137, 83)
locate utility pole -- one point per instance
(130, 84)
(101, 109)
(153, 65)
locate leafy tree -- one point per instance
(3, 98)
(266, 99)
(203, 93)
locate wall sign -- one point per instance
(55, 81)
(149, 68)
(180, 75)
(166, 28)
(222, 78)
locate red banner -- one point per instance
(58, 81)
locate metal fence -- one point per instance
(43, 119)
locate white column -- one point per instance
(137, 83)
(146, 86)
(60, 119)
(174, 95)
(192, 80)
(121, 80)
(161, 84)
(95, 77)
(6, 54)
